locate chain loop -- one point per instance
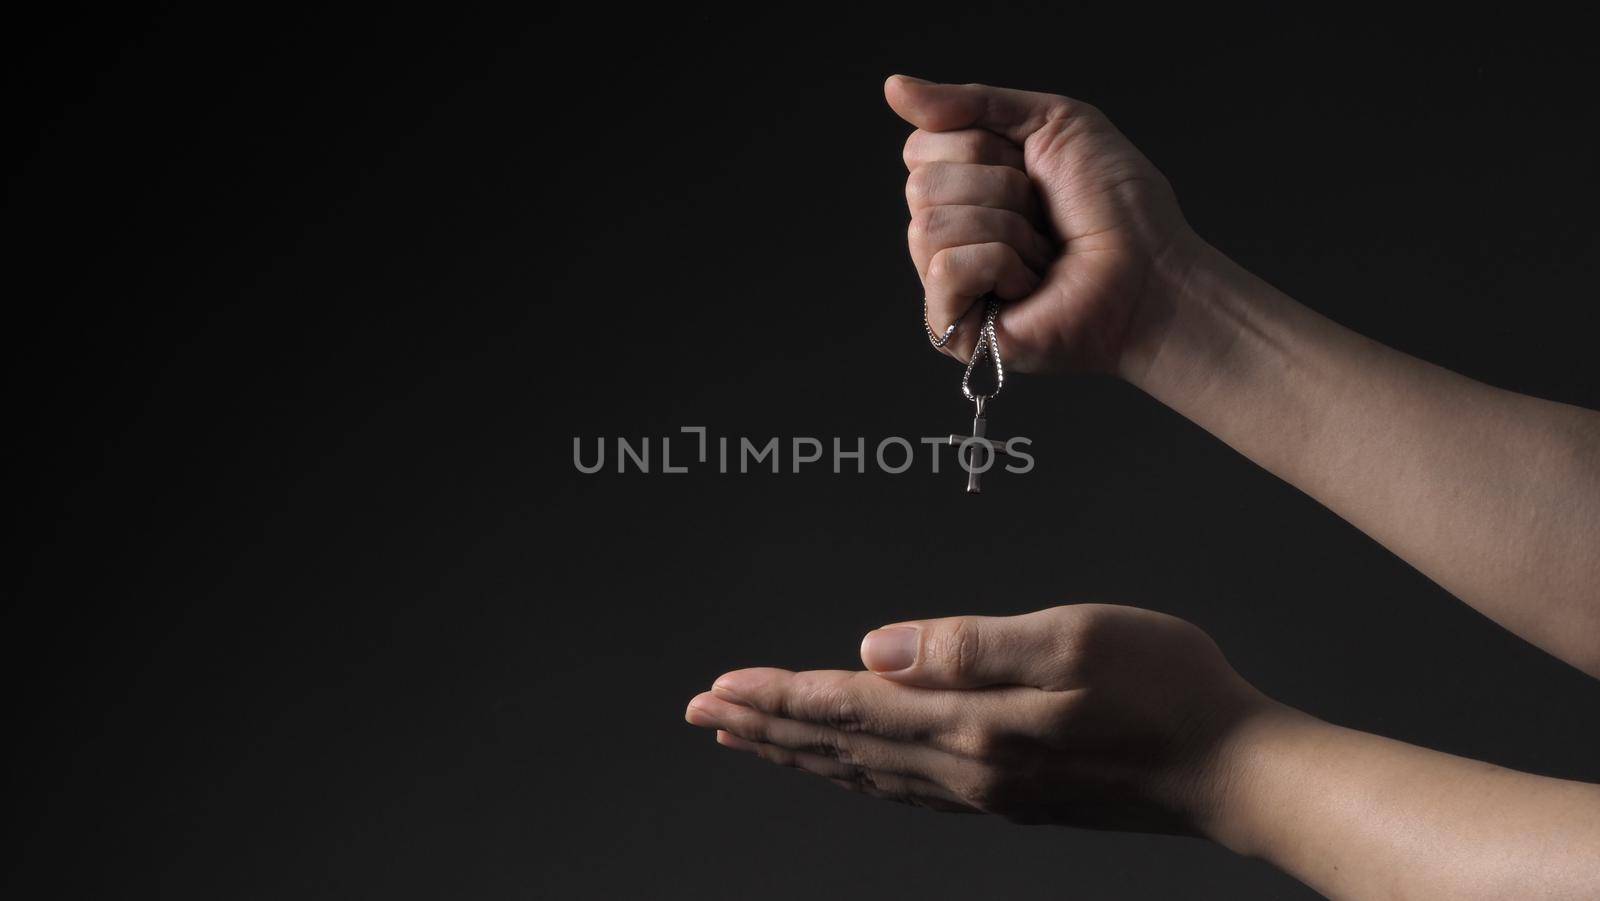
(987, 344)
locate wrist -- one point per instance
(1207, 788)
(1186, 319)
(1173, 311)
(1244, 809)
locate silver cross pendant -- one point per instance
(977, 445)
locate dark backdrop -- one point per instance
(305, 310)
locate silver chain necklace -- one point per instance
(988, 346)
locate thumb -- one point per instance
(969, 651)
(1011, 114)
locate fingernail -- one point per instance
(915, 79)
(891, 649)
(698, 713)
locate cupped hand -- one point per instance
(1088, 715)
(1040, 200)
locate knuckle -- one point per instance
(1064, 117)
(831, 746)
(836, 707)
(942, 267)
(1066, 108)
(845, 715)
(919, 232)
(979, 743)
(908, 153)
(959, 647)
(1082, 639)
(1090, 637)
(919, 186)
(844, 753)
(1059, 109)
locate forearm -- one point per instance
(1358, 816)
(1494, 495)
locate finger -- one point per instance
(957, 276)
(846, 701)
(889, 786)
(945, 802)
(970, 184)
(1012, 114)
(955, 724)
(855, 749)
(970, 145)
(940, 227)
(1036, 649)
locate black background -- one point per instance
(306, 309)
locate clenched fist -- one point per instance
(1088, 715)
(1040, 200)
